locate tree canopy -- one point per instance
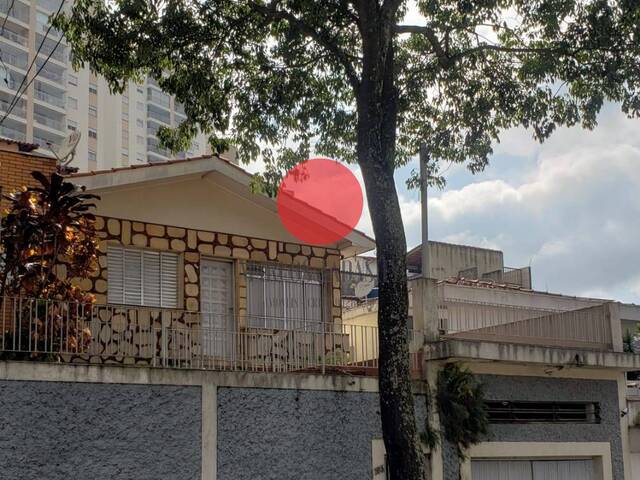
(279, 79)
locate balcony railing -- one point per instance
(57, 101)
(48, 121)
(157, 337)
(12, 133)
(14, 37)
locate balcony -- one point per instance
(158, 114)
(159, 337)
(157, 97)
(17, 60)
(153, 145)
(19, 109)
(15, 37)
(12, 133)
(49, 97)
(51, 72)
(19, 11)
(59, 54)
(48, 121)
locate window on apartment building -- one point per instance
(543, 412)
(72, 103)
(125, 115)
(140, 123)
(125, 152)
(91, 155)
(139, 139)
(93, 88)
(125, 100)
(140, 89)
(71, 125)
(140, 157)
(93, 111)
(142, 277)
(140, 106)
(73, 80)
(284, 297)
(93, 133)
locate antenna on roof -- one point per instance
(65, 152)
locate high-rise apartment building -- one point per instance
(117, 130)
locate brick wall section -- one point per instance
(16, 168)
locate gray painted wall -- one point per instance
(89, 431)
(605, 392)
(294, 435)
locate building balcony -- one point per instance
(17, 10)
(160, 337)
(12, 133)
(51, 99)
(49, 122)
(158, 97)
(15, 37)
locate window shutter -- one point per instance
(132, 277)
(151, 275)
(115, 275)
(168, 280)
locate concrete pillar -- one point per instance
(616, 326)
(209, 431)
(424, 301)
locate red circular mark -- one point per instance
(320, 201)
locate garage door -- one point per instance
(532, 470)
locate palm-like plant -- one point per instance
(45, 227)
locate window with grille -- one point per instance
(142, 277)
(284, 297)
(543, 412)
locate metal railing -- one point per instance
(156, 337)
(57, 101)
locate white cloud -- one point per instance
(572, 211)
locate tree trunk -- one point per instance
(377, 119)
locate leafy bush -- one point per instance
(48, 237)
(462, 408)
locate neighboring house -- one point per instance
(553, 370)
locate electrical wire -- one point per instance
(18, 95)
(4, 23)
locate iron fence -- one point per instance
(50, 330)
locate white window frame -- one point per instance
(121, 298)
(287, 280)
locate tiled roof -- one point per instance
(154, 164)
(22, 146)
(467, 282)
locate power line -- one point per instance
(7, 16)
(4, 23)
(18, 95)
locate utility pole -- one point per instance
(424, 177)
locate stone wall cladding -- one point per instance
(192, 245)
(117, 345)
(298, 434)
(63, 431)
(499, 387)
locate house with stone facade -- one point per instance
(194, 266)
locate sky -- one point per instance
(569, 208)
